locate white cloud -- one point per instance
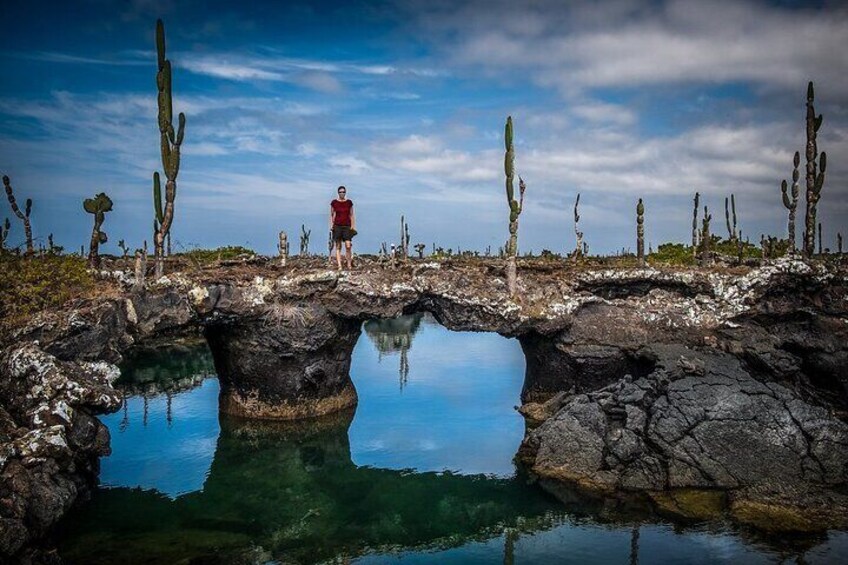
(349, 164)
(574, 46)
(217, 68)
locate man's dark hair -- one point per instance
(341, 188)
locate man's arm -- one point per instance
(352, 218)
(332, 215)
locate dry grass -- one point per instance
(32, 284)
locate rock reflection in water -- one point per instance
(293, 491)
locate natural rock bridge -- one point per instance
(639, 380)
(282, 341)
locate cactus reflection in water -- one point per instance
(394, 335)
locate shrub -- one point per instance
(209, 256)
(31, 284)
(672, 254)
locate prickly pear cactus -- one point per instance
(97, 206)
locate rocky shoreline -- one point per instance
(663, 382)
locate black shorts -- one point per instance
(341, 233)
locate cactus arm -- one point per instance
(509, 162)
(786, 202)
(157, 198)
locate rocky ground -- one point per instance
(690, 386)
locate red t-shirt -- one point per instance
(342, 209)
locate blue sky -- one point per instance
(404, 103)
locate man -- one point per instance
(342, 226)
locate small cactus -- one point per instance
(23, 216)
(419, 248)
(640, 233)
(98, 206)
(140, 267)
(792, 204)
(815, 178)
(283, 248)
(304, 240)
(578, 251)
(125, 250)
(705, 238)
(820, 239)
(839, 242)
(695, 225)
(731, 230)
(404, 239)
(4, 233)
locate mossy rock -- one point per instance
(692, 504)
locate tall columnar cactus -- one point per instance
(792, 204)
(170, 142)
(515, 207)
(731, 230)
(22, 216)
(820, 240)
(4, 233)
(98, 206)
(304, 240)
(815, 179)
(640, 232)
(283, 248)
(695, 225)
(578, 251)
(705, 238)
(404, 239)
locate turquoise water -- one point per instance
(422, 472)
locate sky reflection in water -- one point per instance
(183, 484)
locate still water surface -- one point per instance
(421, 473)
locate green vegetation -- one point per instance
(33, 284)
(679, 254)
(209, 256)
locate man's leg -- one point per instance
(349, 253)
(339, 253)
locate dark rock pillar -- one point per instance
(292, 363)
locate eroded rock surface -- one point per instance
(699, 421)
(51, 441)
